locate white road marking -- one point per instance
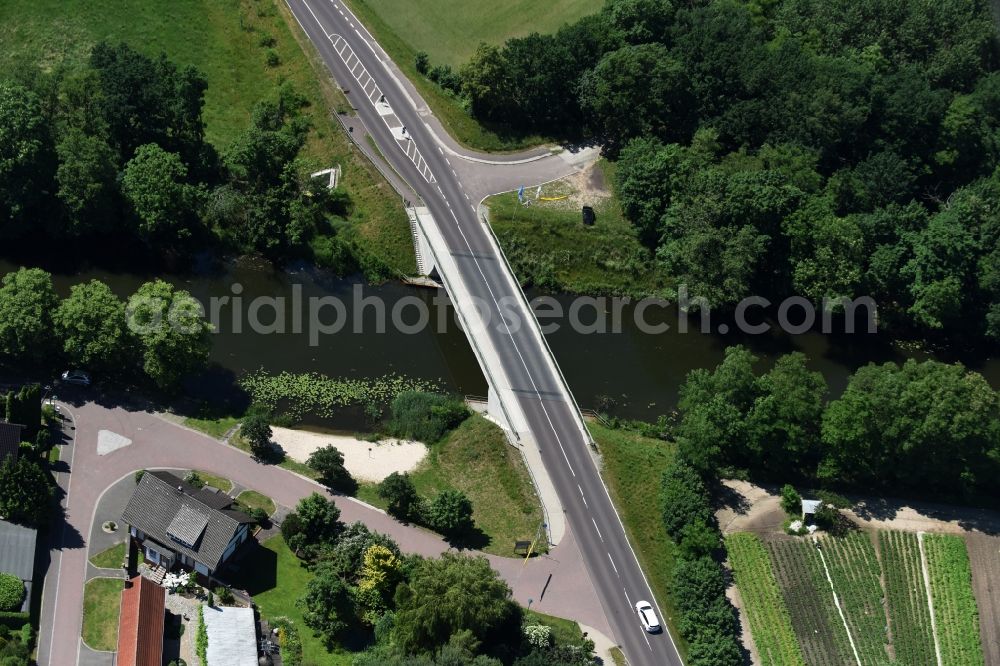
(612, 562)
(582, 497)
(601, 536)
(627, 597)
(514, 343)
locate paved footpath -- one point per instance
(557, 584)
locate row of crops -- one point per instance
(910, 616)
(955, 610)
(767, 614)
(807, 592)
(881, 593)
(855, 570)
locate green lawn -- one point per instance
(450, 30)
(220, 482)
(251, 499)
(101, 602)
(476, 459)
(633, 466)
(398, 37)
(222, 39)
(549, 246)
(111, 558)
(276, 579)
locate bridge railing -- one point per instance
(484, 216)
(490, 379)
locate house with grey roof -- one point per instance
(177, 524)
(17, 556)
(10, 440)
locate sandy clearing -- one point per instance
(366, 461)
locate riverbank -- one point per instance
(366, 460)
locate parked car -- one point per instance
(647, 616)
(77, 377)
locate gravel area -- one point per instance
(368, 461)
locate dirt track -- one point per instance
(984, 555)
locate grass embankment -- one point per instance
(449, 32)
(549, 246)
(476, 459)
(101, 603)
(633, 466)
(216, 427)
(224, 40)
(111, 558)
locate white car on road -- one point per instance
(647, 616)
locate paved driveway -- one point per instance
(561, 576)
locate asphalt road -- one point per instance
(565, 452)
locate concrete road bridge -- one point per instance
(528, 394)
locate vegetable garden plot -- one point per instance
(817, 624)
(955, 610)
(912, 638)
(854, 568)
(765, 607)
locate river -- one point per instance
(635, 373)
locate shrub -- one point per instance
(266, 40)
(291, 526)
(451, 513)
(329, 462)
(398, 490)
(422, 62)
(256, 430)
(258, 515)
(271, 58)
(425, 417)
(138, 475)
(11, 592)
(791, 501)
(538, 635)
(684, 499)
(194, 479)
(201, 637)
(224, 594)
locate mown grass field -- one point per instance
(222, 38)
(111, 558)
(402, 40)
(476, 459)
(450, 30)
(101, 603)
(633, 467)
(879, 583)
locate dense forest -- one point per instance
(825, 148)
(113, 153)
